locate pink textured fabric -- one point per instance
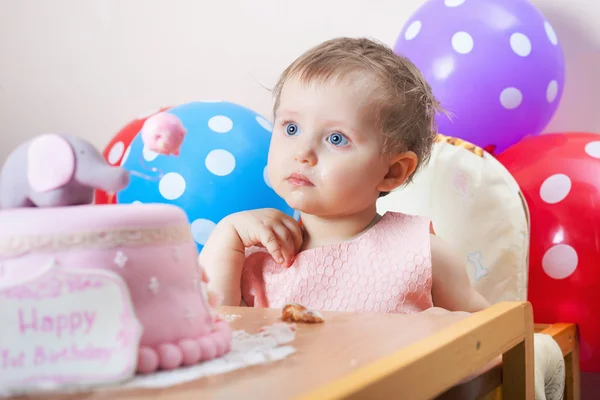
(387, 269)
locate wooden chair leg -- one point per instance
(572, 375)
(518, 368)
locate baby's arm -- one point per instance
(451, 287)
(222, 258)
(224, 253)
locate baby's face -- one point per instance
(325, 154)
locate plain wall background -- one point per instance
(88, 67)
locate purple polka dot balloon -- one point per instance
(495, 65)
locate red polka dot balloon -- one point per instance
(116, 150)
(559, 175)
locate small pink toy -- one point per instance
(163, 133)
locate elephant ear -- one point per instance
(50, 162)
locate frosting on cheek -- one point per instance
(324, 176)
(297, 195)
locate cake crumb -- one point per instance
(298, 313)
(231, 317)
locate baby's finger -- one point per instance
(268, 238)
(204, 276)
(296, 231)
(287, 242)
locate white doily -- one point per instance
(247, 349)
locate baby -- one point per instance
(352, 122)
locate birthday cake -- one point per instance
(149, 247)
(93, 294)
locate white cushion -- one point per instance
(476, 205)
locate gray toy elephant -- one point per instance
(53, 170)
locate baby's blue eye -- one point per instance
(337, 139)
(291, 129)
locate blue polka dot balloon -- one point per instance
(220, 170)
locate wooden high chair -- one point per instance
(476, 205)
(488, 385)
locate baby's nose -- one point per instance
(306, 155)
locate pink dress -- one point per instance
(387, 269)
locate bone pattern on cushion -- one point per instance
(476, 205)
(150, 246)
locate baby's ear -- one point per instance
(401, 168)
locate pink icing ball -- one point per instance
(163, 133)
(147, 360)
(170, 356)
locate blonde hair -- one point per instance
(406, 107)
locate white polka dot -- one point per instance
(593, 149)
(201, 229)
(453, 3)
(220, 162)
(136, 202)
(555, 188)
(462, 42)
(551, 33)
(115, 152)
(511, 98)
(520, 44)
(149, 155)
(413, 30)
(220, 124)
(171, 186)
(266, 177)
(125, 156)
(552, 91)
(264, 123)
(560, 261)
(297, 215)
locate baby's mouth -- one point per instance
(298, 179)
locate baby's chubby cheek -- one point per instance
(272, 175)
(341, 175)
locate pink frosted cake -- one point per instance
(150, 247)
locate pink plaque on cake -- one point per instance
(67, 327)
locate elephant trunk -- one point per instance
(107, 178)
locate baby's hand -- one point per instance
(224, 252)
(279, 233)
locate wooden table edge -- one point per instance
(479, 339)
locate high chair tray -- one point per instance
(371, 356)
